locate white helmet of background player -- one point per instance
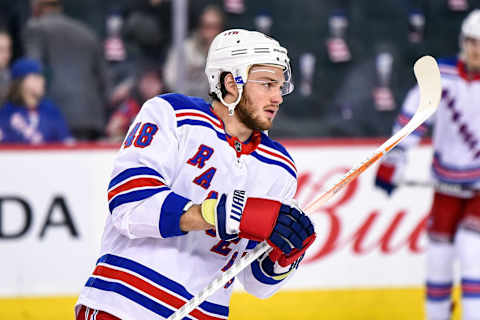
(471, 25)
(469, 40)
(235, 51)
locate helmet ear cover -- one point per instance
(223, 90)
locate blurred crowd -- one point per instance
(69, 83)
(80, 71)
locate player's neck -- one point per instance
(233, 126)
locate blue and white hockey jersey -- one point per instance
(177, 151)
(456, 133)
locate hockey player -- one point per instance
(454, 222)
(195, 186)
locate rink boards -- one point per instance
(368, 257)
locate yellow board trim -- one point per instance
(348, 304)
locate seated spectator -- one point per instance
(5, 55)
(149, 85)
(195, 49)
(27, 117)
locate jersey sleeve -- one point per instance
(409, 108)
(257, 279)
(140, 199)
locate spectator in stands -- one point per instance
(365, 104)
(5, 55)
(13, 17)
(196, 47)
(75, 67)
(147, 29)
(26, 116)
(149, 84)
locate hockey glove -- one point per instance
(234, 215)
(292, 235)
(274, 270)
(288, 230)
(390, 172)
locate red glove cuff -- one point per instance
(287, 259)
(258, 218)
(385, 172)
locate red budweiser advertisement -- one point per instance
(365, 238)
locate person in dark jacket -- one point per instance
(74, 64)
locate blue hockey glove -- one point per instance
(390, 172)
(292, 235)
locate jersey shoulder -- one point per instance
(183, 102)
(269, 142)
(193, 111)
(273, 152)
(448, 66)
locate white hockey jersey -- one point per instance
(177, 151)
(456, 131)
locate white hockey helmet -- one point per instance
(471, 25)
(235, 51)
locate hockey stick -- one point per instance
(453, 189)
(428, 78)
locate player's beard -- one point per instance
(247, 116)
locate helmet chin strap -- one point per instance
(231, 106)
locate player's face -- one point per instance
(261, 97)
(472, 53)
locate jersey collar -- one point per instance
(246, 147)
(462, 71)
(240, 148)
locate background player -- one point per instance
(195, 186)
(454, 223)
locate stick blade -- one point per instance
(428, 79)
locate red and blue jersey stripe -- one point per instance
(134, 184)
(449, 67)
(148, 288)
(471, 288)
(403, 118)
(453, 174)
(272, 152)
(439, 291)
